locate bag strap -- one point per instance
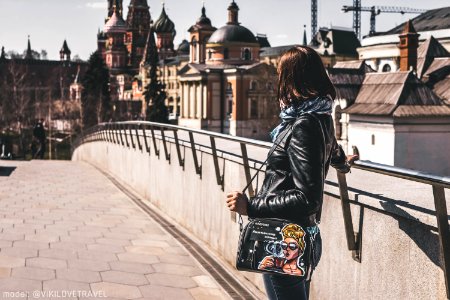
(287, 130)
(318, 215)
(280, 139)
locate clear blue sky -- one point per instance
(49, 22)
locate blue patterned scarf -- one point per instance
(319, 105)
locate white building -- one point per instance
(381, 51)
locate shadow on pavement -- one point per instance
(6, 171)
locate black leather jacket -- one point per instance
(295, 173)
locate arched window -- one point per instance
(229, 86)
(253, 85)
(247, 54)
(386, 68)
(194, 44)
(226, 53)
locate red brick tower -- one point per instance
(138, 21)
(165, 34)
(409, 41)
(116, 52)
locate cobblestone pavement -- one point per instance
(67, 232)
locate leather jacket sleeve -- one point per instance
(305, 154)
(339, 159)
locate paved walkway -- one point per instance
(66, 231)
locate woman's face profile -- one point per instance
(290, 248)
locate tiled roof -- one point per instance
(275, 51)
(384, 93)
(434, 19)
(426, 52)
(438, 64)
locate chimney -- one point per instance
(409, 42)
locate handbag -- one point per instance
(278, 246)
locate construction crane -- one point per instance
(313, 18)
(375, 11)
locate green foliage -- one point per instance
(154, 93)
(95, 97)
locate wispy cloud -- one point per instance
(282, 36)
(95, 5)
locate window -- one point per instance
(253, 85)
(209, 54)
(226, 53)
(386, 68)
(270, 86)
(247, 55)
(373, 139)
(229, 86)
(253, 108)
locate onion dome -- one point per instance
(183, 48)
(164, 24)
(115, 24)
(204, 21)
(232, 33)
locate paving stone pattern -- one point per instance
(65, 227)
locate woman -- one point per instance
(305, 146)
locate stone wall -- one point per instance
(400, 248)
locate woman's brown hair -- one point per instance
(301, 75)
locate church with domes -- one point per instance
(214, 81)
(225, 87)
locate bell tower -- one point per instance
(200, 33)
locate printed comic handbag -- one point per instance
(278, 246)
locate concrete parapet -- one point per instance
(400, 256)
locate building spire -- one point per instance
(233, 14)
(3, 55)
(29, 54)
(304, 36)
(65, 52)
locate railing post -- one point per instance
(248, 176)
(113, 134)
(119, 133)
(219, 177)
(137, 137)
(131, 136)
(154, 141)
(444, 235)
(353, 240)
(166, 153)
(198, 168)
(125, 134)
(147, 147)
(177, 145)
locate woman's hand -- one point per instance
(236, 201)
(267, 262)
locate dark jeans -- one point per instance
(40, 153)
(282, 287)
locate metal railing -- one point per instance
(131, 134)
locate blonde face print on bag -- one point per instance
(285, 255)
